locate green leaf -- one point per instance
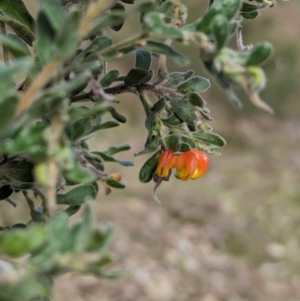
(29, 140)
(5, 192)
(44, 45)
(220, 30)
(250, 15)
(168, 51)
(81, 128)
(210, 139)
(54, 12)
(173, 141)
(17, 11)
(143, 59)
(16, 15)
(109, 78)
(259, 54)
(158, 106)
(172, 120)
(196, 84)
(109, 158)
(14, 45)
(155, 24)
(17, 66)
(68, 36)
(148, 169)
(195, 99)
(72, 210)
(79, 175)
(116, 115)
(8, 108)
(77, 196)
(114, 183)
(18, 170)
(228, 8)
(176, 78)
(109, 19)
(116, 149)
(105, 125)
(184, 110)
(135, 76)
(83, 235)
(121, 9)
(18, 242)
(98, 44)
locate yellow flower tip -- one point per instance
(116, 176)
(166, 161)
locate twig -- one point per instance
(43, 197)
(93, 10)
(38, 83)
(11, 202)
(239, 40)
(124, 43)
(5, 51)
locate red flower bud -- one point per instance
(166, 161)
(191, 165)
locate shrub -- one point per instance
(56, 88)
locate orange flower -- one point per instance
(191, 165)
(166, 161)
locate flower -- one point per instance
(191, 165)
(166, 161)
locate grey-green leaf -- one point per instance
(8, 108)
(17, 16)
(156, 25)
(196, 84)
(162, 48)
(210, 139)
(77, 196)
(18, 170)
(54, 12)
(68, 36)
(109, 78)
(176, 78)
(44, 44)
(14, 45)
(184, 110)
(115, 184)
(109, 158)
(135, 76)
(220, 30)
(143, 59)
(116, 149)
(148, 169)
(259, 54)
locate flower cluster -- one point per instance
(189, 165)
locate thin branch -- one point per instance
(124, 43)
(43, 197)
(11, 202)
(239, 40)
(38, 83)
(5, 51)
(93, 10)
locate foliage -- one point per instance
(56, 93)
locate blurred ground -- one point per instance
(233, 235)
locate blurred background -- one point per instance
(232, 235)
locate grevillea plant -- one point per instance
(56, 85)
